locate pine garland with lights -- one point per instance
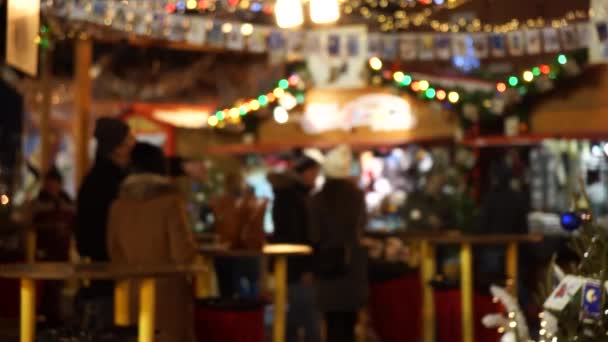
(510, 96)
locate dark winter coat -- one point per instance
(504, 211)
(338, 218)
(99, 189)
(290, 216)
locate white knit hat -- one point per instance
(338, 162)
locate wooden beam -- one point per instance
(46, 135)
(82, 111)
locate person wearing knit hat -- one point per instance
(338, 162)
(338, 218)
(99, 189)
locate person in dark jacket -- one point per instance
(99, 189)
(53, 218)
(292, 190)
(338, 218)
(503, 211)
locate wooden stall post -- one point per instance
(511, 266)
(466, 288)
(121, 303)
(280, 298)
(427, 272)
(147, 307)
(82, 100)
(28, 310)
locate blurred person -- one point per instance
(239, 220)
(99, 189)
(503, 210)
(428, 209)
(292, 193)
(338, 218)
(148, 225)
(53, 215)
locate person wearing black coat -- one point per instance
(292, 190)
(338, 219)
(99, 189)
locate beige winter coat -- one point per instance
(148, 224)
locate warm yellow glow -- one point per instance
(246, 29)
(227, 28)
(234, 113)
(278, 92)
(212, 121)
(424, 85)
(398, 76)
(4, 200)
(192, 4)
(453, 97)
(324, 11)
(254, 105)
(375, 63)
(528, 76)
(288, 13)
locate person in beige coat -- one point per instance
(148, 225)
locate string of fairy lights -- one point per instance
(288, 94)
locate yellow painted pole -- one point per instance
(427, 272)
(147, 303)
(203, 281)
(466, 288)
(82, 101)
(121, 303)
(511, 266)
(28, 310)
(280, 298)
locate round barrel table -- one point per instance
(29, 273)
(280, 252)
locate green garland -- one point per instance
(511, 96)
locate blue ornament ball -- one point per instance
(571, 221)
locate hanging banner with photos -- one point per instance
(333, 43)
(340, 60)
(23, 25)
(598, 44)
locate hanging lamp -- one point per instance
(289, 13)
(324, 11)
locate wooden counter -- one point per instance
(30, 272)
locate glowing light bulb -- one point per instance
(528, 76)
(289, 13)
(278, 93)
(375, 63)
(280, 115)
(254, 105)
(501, 87)
(513, 81)
(424, 85)
(398, 76)
(441, 95)
(453, 97)
(283, 84)
(324, 11)
(430, 93)
(191, 4)
(562, 59)
(234, 113)
(407, 80)
(227, 28)
(246, 29)
(212, 121)
(263, 99)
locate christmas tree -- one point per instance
(575, 307)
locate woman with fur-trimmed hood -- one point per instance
(148, 225)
